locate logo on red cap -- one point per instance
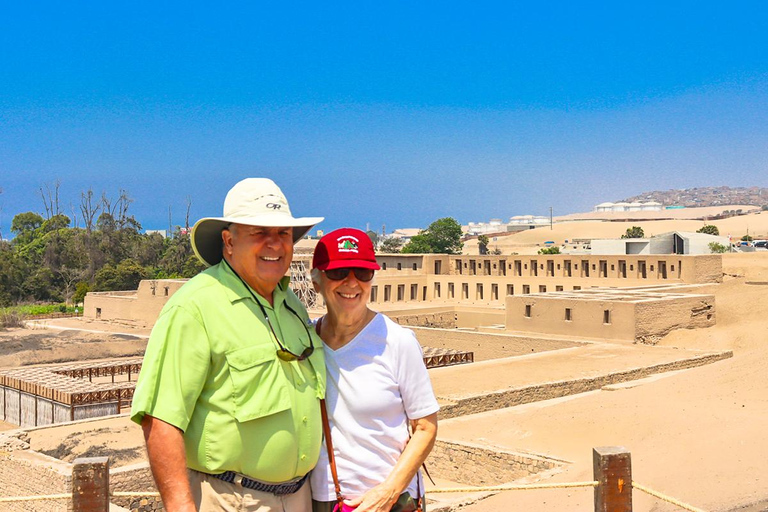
(347, 243)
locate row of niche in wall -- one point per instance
(569, 314)
(568, 267)
(479, 291)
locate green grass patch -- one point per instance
(32, 310)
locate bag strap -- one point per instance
(329, 448)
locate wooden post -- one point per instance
(90, 485)
(612, 467)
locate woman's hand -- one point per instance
(379, 499)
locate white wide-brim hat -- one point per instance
(254, 202)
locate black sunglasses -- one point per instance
(361, 274)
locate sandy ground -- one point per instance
(677, 214)
(487, 346)
(528, 242)
(38, 345)
(118, 438)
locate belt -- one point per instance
(277, 489)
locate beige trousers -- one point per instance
(214, 495)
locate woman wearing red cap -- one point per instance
(377, 387)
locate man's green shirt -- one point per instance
(211, 370)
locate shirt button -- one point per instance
(304, 419)
(303, 457)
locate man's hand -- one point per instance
(168, 460)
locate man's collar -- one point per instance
(236, 289)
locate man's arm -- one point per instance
(168, 460)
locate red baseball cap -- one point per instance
(345, 248)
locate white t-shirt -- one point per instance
(376, 382)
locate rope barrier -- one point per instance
(522, 487)
(36, 498)
(69, 496)
(135, 494)
(666, 498)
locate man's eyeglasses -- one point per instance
(361, 274)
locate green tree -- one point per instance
(391, 244)
(12, 273)
(374, 237)
(482, 244)
(717, 248)
(24, 222)
(124, 276)
(80, 290)
(709, 229)
(25, 226)
(549, 250)
(746, 238)
(634, 232)
(441, 237)
(418, 244)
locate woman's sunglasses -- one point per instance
(361, 274)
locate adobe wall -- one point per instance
(704, 269)
(548, 316)
(474, 317)
(643, 317)
(477, 465)
(439, 319)
(134, 478)
(110, 306)
(140, 307)
(29, 473)
(654, 320)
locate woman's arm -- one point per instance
(383, 496)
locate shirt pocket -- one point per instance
(260, 387)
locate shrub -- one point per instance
(11, 317)
(717, 248)
(709, 229)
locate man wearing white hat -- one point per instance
(228, 392)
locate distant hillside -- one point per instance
(704, 196)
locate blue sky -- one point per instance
(391, 113)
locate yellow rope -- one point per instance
(666, 498)
(36, 498)
(522, 487)
(134, 494)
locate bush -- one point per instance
(709, 229)
(81, 289)
(717, 248)
(634, 232)
(11, 317)
(549, 250)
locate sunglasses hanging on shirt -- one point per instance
(282, 353)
